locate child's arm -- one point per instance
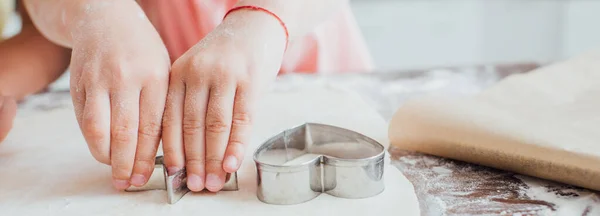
(29, 62)
(300, 16)
(214, 86)
(119, 77)
(63, 21)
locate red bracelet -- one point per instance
(287, 35)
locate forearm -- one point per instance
(62, 20)
(300, 16)
(29, 62)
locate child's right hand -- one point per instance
(119, 80)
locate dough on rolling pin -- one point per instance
(545, 123)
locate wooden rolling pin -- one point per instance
(545, 123)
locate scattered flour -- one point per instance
(567, 201)
(442, 170)
(447, 187)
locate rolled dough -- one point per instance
(47, 170)
(544, 123)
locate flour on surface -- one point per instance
(473, 190)
(51, 171)
(573, 201)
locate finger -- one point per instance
(218, 127)
(8, 110)
(174, 156)
(152, 104)
(123, 135)
(78, 96)
(240, 129)
(196, 97)
(95, 124)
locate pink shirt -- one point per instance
(335, 46)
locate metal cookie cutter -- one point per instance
(175, 184)
(298, 164)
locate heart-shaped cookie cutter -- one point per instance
(298, 164)
(176, 183)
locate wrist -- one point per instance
(265, 26)
(89, 16)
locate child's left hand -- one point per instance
(212, 90)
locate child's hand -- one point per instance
(212, 91)
(119, 82)
(8, 110)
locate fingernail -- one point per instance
(213, 181)
(120, 184)
(138, 180)
(194, 182)
(231, 162)
(172, 170)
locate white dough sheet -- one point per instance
(46, 168)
